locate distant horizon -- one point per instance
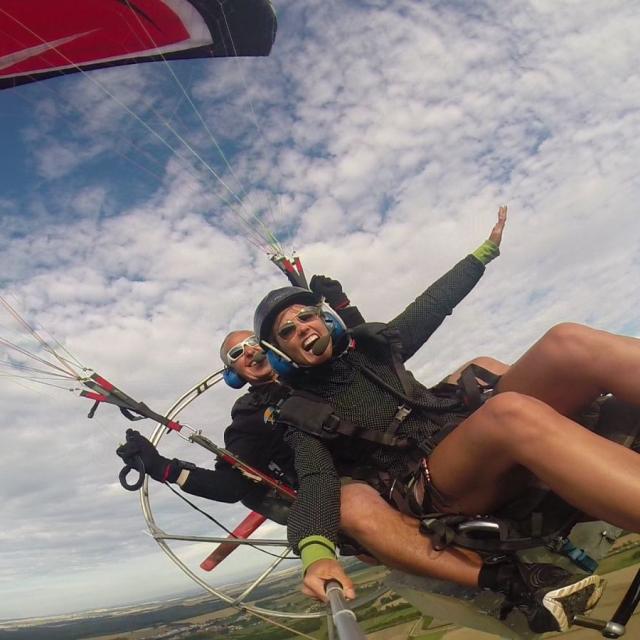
(133, 605)
(194, 592)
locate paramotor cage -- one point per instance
(163, 538)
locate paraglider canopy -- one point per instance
(42, 39)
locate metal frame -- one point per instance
(161, 537)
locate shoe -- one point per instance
(551, 597)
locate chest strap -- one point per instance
(315, 416)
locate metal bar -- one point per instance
(258, 581)
(629, 602)
(606, 628)
(343, 618)
(258, 611)
(256, 542)
(331, 635)
(189, 396)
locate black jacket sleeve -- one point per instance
(316, 510)
(422, 317)
(248, 438)
(223, 484)
(351, 316)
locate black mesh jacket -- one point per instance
(356, 398)
(257, 444)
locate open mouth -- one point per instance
(309, 341)
(257, 359)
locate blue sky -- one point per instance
(389, 134)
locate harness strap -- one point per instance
(471, 388)
(315, 416)
(395, 346)
(443, 530)
(473, 392)
(484, 534)
(389, 487)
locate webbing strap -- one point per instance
(472, 389)
(443, 531)
(395, 345)
(315, 416)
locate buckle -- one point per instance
(402, 412)
(331, 424)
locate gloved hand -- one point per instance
(158, 467)
(331, 290)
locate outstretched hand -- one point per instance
(496, 232)
(319, 573)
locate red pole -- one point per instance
(242, 531)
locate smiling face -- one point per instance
(296, 331)
(255, 370)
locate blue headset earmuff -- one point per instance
(233, 379)
(282, 365)
(334, 322)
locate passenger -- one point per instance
(450, 457)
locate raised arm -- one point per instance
(423, 316)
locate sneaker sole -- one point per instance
(568, 601)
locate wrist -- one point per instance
(175, 468)
(341, 303)
(314, 548)
(486, 252)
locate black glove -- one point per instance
(331, 290)
(158, 467)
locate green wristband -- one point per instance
(314, 548)
(486, 252)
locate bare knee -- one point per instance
(512, 421)
(568, 344)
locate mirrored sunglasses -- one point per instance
(305, 315)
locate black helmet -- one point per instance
(274, 302)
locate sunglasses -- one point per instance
(237, 351)
(304, 316)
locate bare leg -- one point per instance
(572, 364)
(394, 539)
(490, 457)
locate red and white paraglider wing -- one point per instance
(42, 39)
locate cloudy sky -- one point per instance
(378, 140)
